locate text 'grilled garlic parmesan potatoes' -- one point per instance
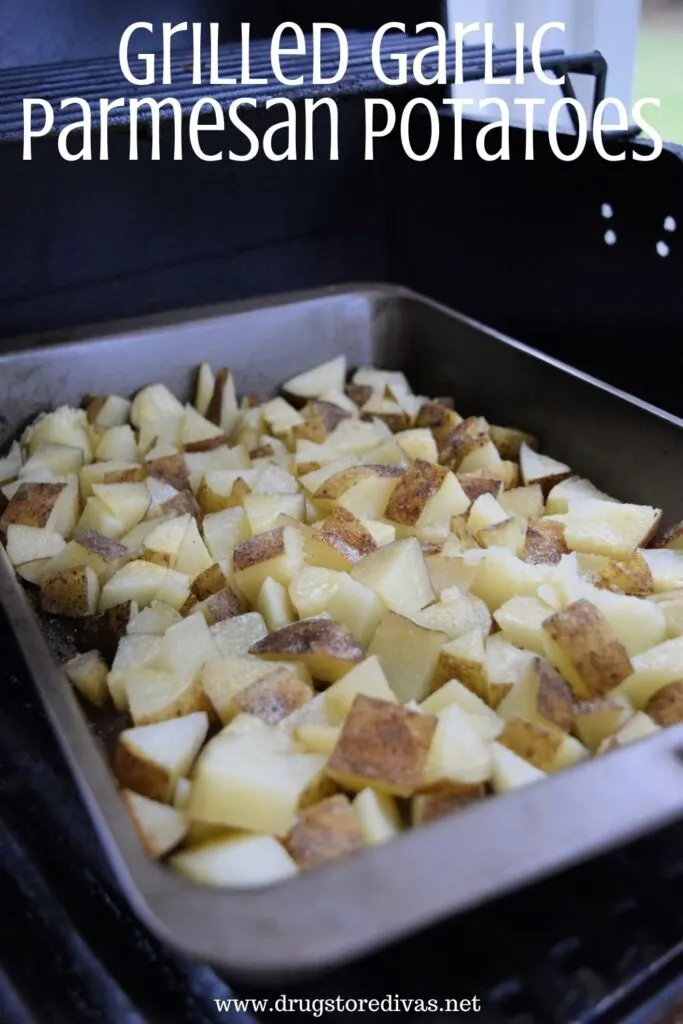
(338, 613)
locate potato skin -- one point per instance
(330, 414)
(454, 443)
(312, 637)
(436, 415)
(625, 576)
(324, 832)
(345, 532)
(536, 743)
(274, 697)
(72, 593)
(209, 444)
(584, 636)
(358, 393)
(420, 482)
(426, 807)
(170, 468)
(31, 506)
(666, 707)
(106, 549)
(555, 700)
(209, 582)
(226, 604)
(144, 777)
(382, 743)
(259, 549)
(544, 543)
(475, 485)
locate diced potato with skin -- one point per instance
(73, 593)
(588, 653)
(536, 743)
(186, 646)
(88, 674)
(366, 678)
(455, 615)
(196, 428)
(446, 572)
(499, 576)
(161, 828)
(426, 807)
(59, 459)
(319, 739)
(243, 861)
(510, 771)
(193, 557)
(127, 501)
(46, 506)
(154, 696)
(278, 554)
(595, 721)
(381, 533)
(541, 695)
(162, 544)
(138, 581)
(382, 745)
(666, 707)
(151, 759)
(386, 411)
(363, 490)
(33, 572)
(476, 484)
(235, 636)
(65, 426)
(169, 467)
(509, 440)
(108, 473)
(223, 408)
(223, 678)
(638, 727)
(425, 500)
(107, 411)
(325, 647)
(378, 815)
(105, 630)
(398, 574)
(98, 518)
(544, 543)
(274, 604)
(245, 785)
(117, 444)
(525, 502)
(608, 528)
(355, 606)
(104, 556)
(206, 383)
(154, 402)
(463, 659)
(325, 832)
(273, 697)
(329, 376)
(510, 534)
(541, 469)
(671, 605)
(666, 568)
(485, 512)
(224, 531)
(30, 543)
(457, 752)
(487, 723)
(153, 621)
(409, 654)
(311, 590)
(652, 670)
(483, 456)
(570, 490)
(263, 510)
(630, 575)
(455, 443)
(339, 542)
(418, 444)
(505, 665)
(520, 621)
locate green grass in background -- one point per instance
(659, 73)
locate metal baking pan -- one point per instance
(339, 912)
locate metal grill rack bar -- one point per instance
(93, 80)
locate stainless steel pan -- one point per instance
(339, 912)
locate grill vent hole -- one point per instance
(611, 237)
(663, 249)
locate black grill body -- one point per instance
(520, 245)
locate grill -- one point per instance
(602, 943)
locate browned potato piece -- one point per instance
(36, 504)
(73, 593)
(274, 697)
(544, 543)
(666, 707)
(226, 604)
(277, 553)
(325, 647)
(592, 659)
(541, 696)
(339, 542)
(630, 575)
(209, 583)
(170, 468)
(596, 720)
(420, 482)
(475, 484)
(509, 440)
(536, 743)
(426, 807)
(454, 443)
(382, 745)
(325, 832)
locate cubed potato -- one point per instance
(138, 581)
(274, 604)
(88, 674)
(455, 614)
(246, 785)
(574, 488)
(117, 444)
(523, 502)
(154, 402)
(608, 528)
(484, 719)
(223, 409)
(363, 490)
(278, 554)
(59, 460)
(457, 753)
(263, 510)
(132, 652)
(209, 583)
(671, 606)
(425, 500)
(586, 650)
(366, 678)
(500, 576)
(541, 469)
(338, 542)
(509, 440)
(521, 622)
(224, 677)
(196, 429)
(325, 647)
(447, 572)
(161, 828)
(382, 745)
(594, 721)
(65, 426)
(378, 815)
(107, 474)
(510, 534)
(666, 569)
(409, 654)
(484, 513)
(162, 544)
(98, 518)
(463, 659)
(45, 506)
(166, 464)
(631, 575)
(151, 759)
(418, 444)
(638, 727)
(224, 531)
(153, 695)
(193, 557)
(225, 489)
(31, 543)
(105, 630)
(510, 771)
(387, 411)
(154, 620)
(637, 624)
(312, 589)
(204, 388)
(328, 376)
(274, 696)
(652, 670)
(540, 695)
(355, 606)
(398, 574)
(318, 739)
(570, 752)
(235, 636)
(476, 484)
(186, 646)
(536, 743)
(325, 832)
(505, 666)
(73, 593)
(381, 533)
(666, 706)
(544, 542)
(127, 501)
(243, 861)
(455, 443)
(426, 807)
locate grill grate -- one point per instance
(584, 948)
(95, 79)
